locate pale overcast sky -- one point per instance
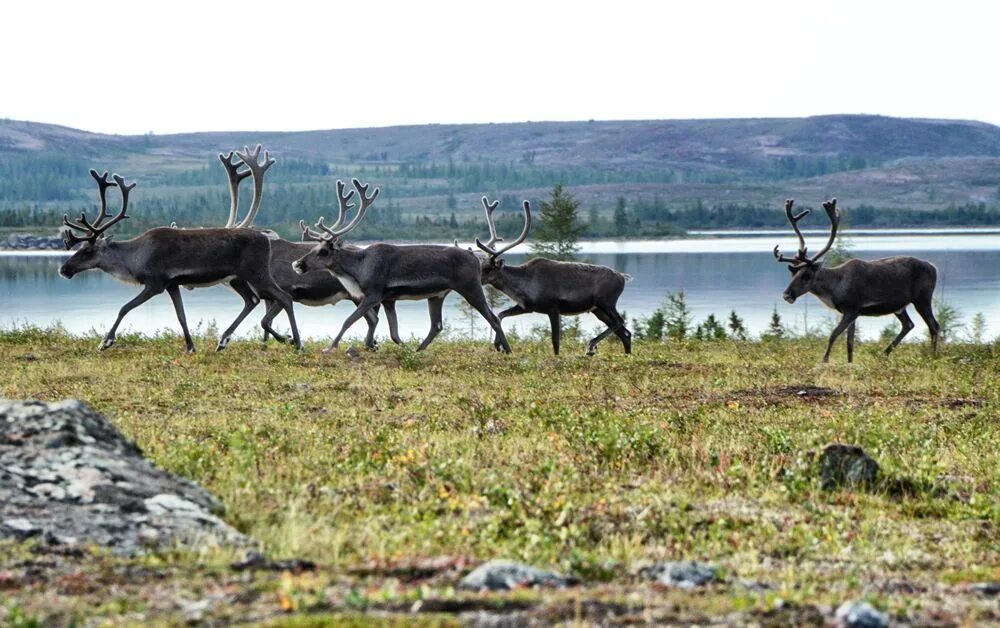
(166, 67)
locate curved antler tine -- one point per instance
(235, 176)
(834, 214)
(308, 234)
(252, 161)
(491, 252)
(793, 219)
(524, 232)
(70, 239)
(102, 186)
(343, 203)
(322, 227)
(362, 189)
(490, 224)
(125, 189)
(366, 202)
(781, 258)
(74, 225)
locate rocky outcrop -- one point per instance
(28, 242)
(69, 477)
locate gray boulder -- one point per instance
(69, 477)
(682, 574)
(847, 466)
(503, 575)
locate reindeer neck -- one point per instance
(123, 260)
(825, 285)
(511, 280)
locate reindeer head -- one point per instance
(327, 253)
(804, 268)
(94, 243)
(491, 265)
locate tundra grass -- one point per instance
(376, 464)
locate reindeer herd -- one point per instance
(323, 269)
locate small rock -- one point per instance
(986, 588)
(858, 614)
(503, 575)
(682, 574)
(254, 560)
(847, 466)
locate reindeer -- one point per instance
(859, 288)
(316, 288)
(166, 258)
(389, 272)
(555, 288)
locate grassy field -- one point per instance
(397, 472)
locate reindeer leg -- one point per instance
(556, 331)
(844, 323)
(475, 297)
(250, 301)
(284, 302)
(371, 317)
(514, 310)
(148, 292)
(434, 305)
(926, 312)
(616, 325)
(390, 315)
(904, 318)
(850, 341)
(367, 302)
(175, 296)
(273, 309)
(286, 305)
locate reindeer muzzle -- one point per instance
(299, 267)
(788, 296)
(65, 272)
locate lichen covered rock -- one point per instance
(69, 477)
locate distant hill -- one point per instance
(668, 171)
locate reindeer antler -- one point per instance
(235, 177)
(336, 231)
(94, 230)
(257, 169)
(343, 204)
(490, 208)
(495, 253)
(834, 215)
(794, 219)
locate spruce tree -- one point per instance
(621, 218)
(560, 226)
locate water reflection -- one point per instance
(717, 276)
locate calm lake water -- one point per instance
(734, 271)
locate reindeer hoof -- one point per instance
(106, 344)
(190, 350)
(223, 343)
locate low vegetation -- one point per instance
(395, 471)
